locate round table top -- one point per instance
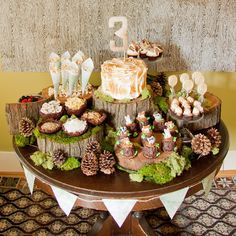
(118, 185)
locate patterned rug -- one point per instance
(39, 214)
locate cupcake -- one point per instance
(75, 106)
(151, 149)
(159, 122)
(49, 126)
(158, 48)
(127, 148)
(171, 127)
(152, 54)
(144, 46)
(131, 124)
(146, 133)
(75, 127)
(133, 50)
(51, 110)
(142, 119)
(168, 143)
(122, 133)
(94, 117)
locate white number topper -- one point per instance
(121, 33)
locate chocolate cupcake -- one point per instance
(151, 149)
(146, 133)
(75, 127)
(94, 117)
(159, 122)
(51, 110)
(171, 127)
(127, 148)
(122, 133)
(142, 119)
(131, 125)
(152, 54)
(133, 50)
(168, 142)
(49, 126)
(75, 106)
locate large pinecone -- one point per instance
(93, 146)
(107, 162)
(157, 88)
(26, 126)
(59, 157)
(161, 79)
(201, 144)
(214, 135)
(89, 164)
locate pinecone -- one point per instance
(107, 162)
(89, 164)
(201, 144)
(157, 88)
(93, 146)
(161, 79)
(26, 126)
(59, 157)
(214, 135)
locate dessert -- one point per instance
(131, 125)
(133, 50)
(159, 122)
(24, 99)
(150, 148)
(127, 148)
(168, 142)
(142, 119)
(75, 106)
(146, 133)
(122, 133)
(171, 127)
(94, 117)
(75, 127)
(49, 126)
(123, 78)
(51, 109)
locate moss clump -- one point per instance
(62, 137)
(146, 93)
(103, 96)
(22, 141)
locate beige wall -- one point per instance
(14, 85)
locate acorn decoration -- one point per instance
(59, 157)
(201, 144)
(93, 146)
(150, 149)
(107, 162)
(214, 135)
(26, 127)
(89, 164)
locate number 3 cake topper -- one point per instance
(121, 33)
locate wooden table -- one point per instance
(91, 190)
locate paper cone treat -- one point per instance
(65, 56)
(73, 77)
(65, 73)
(55, 59)
(87, 69)
(56, 76)
(78, 58)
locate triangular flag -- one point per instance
(119, 209)
(65, 199)
(207, 182)
(30, 179)
(173, 200)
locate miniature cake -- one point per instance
(123, 79)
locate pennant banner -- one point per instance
(65, 199)
(207, 182)
(30, 179)
(173, 200)
(119, 209)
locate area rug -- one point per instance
(39, 214)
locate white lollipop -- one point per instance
(202, 89)
(198, 77)
(172, 81)
(188, 86)
(183, 77)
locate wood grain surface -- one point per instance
(196, 35)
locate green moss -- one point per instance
(102, 96)
(146, 93)
(62, 137)
(162, 103)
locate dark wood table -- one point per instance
(91, 190)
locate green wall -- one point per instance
(14, 85)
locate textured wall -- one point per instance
(197, 34)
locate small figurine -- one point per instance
(127, 148)
(159, 122)
(130, 124)
(171, 127)
(151, 149)
(168, 142)
(142, 119)
(122, 133)
(146, 133)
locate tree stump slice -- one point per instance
(118, 110)
(212, 114)
(76, 149)
(16, 111)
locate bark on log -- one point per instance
(76, 149)
(117, 110)
(16, 111)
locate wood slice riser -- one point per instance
(76, 149)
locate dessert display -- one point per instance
(49, 126)
(75, 127)
(51, 109)
(75, 106)
(94, 117)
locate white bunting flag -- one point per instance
(30, 179)
(207, 182)
(65, 199)
(172, 201)
(119, 209)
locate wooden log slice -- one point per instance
(16, 111)
(212, 113)
(118, 110)
(76, 149)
